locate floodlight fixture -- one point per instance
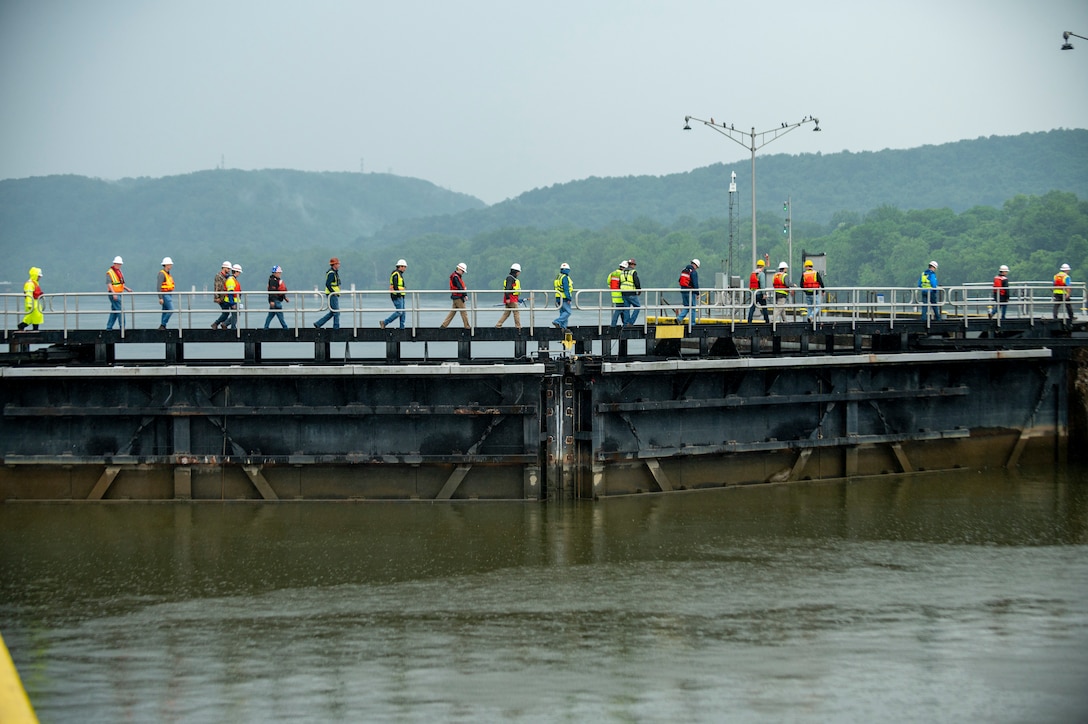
(1066, 36)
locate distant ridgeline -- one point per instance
(878, 215)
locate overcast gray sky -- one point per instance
(497, 97)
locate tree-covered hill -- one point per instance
(957, 176)
(71, 224)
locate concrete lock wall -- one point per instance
(560, 429)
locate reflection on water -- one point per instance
(955, 597)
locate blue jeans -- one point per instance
(224, 317)
(115, 313)
(631, 300)
(930, 296)
(813, 304)
(685, 298)
(334, 313)
(564, 314)
(619, 313)
(167, 306)
(398, 304)
(761, 302)
(275, 315)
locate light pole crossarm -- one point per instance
(765, 137)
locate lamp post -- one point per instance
(753, 145)
(1066, 36)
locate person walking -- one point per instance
(689, 291)
(564, 294)
(396, 293)
(1001, 293)
(32, 294)
(615, 280)
(332, 291)
(812, 282)
(277, 295)
(115, 285)
(781, 283)
(630, 288)
(165, 285)
(755, 285)
(927, 282)
(1062, 293)
(458, 293)
(511, 287)
(219, 286)
(232, 293)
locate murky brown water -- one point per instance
(959, 597)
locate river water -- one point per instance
(942, 597)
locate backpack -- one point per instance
(685, 278)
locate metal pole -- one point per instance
(753, 147)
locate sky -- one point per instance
(494, 98)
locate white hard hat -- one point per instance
(401, 262)
(623, 264)
(1002, 268)
(783, 265)
(515, 267)
(564, 265)
(118, 260)
(695, 262)
(167, 260)
(226, 265)
(237, 268)
(1065, 267)
(933, 264)
(462, 267)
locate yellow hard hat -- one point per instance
(808, 262)
(760, 263)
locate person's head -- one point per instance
(808, 264)
(334, 263)
(760, 263)
(225, 269)
(695, 263)
(564, 268)
(167, 262)
(237, 269)
(783, 266)
(515, 269)
(623, 265)
(1003, 270)
(277, 270)
(630, 263)
(461, 268)
(933, 265)
(1065, 267)
(401, 265)
(118, 261)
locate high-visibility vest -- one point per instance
(1061, 282)
(559, 294)
(809, 280)
(231, 286)
(627, 280)
(753, 281)
(1001, 288)
(511, 288)
(457, 286)
(116, 280)
(780, 285)
(396, 284)
(614, 285)
(167, 283)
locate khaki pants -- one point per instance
(511, 307)
(457, 304)
(780, 301)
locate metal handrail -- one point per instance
(364, 308)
